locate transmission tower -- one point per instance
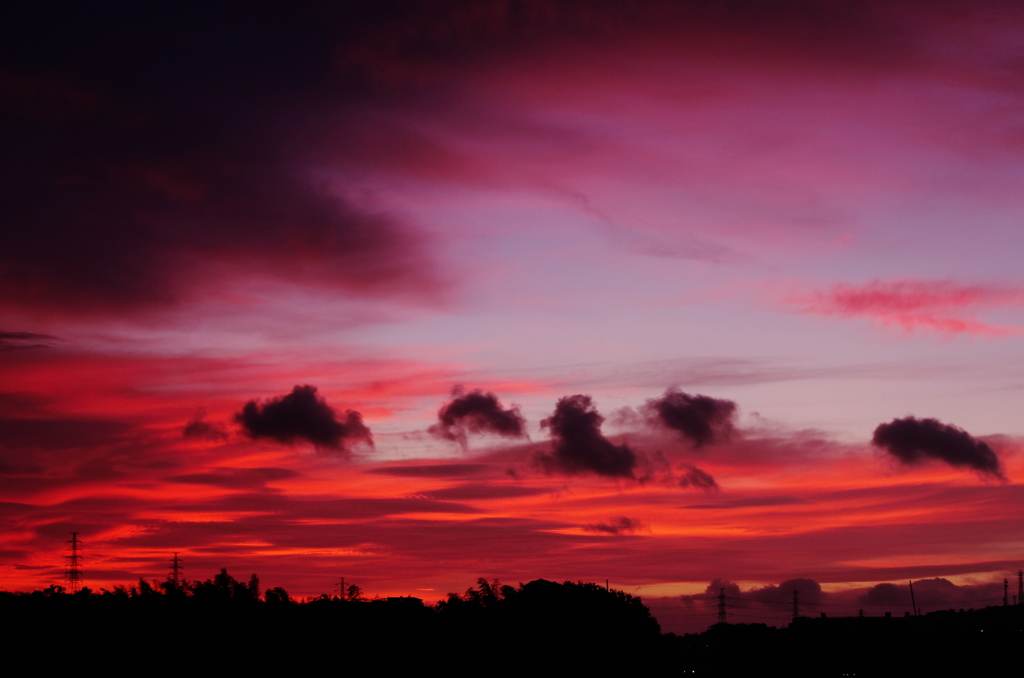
(176, 568)
(796, 604)
(721, 606)
(1006, 592)
(74, 570)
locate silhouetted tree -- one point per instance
(277, 596)
(354, 593)
(485, 595)
(253, 588)
(144, 589)
(223, 587)
(179, 590)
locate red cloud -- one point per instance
(936, 305)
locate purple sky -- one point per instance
(811, 210)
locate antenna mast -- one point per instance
(74, 571)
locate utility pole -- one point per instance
(796, 604)
(176, 569)
(721, 606)
(913, 603)
(74, 571)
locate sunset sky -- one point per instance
(679, 295)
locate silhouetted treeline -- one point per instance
(224, 624)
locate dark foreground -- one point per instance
(223, 625)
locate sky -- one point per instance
(682, 296)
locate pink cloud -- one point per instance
(931, 305)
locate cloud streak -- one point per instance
(616, 526)
(232, 478)
(198, 428)
(932, 305)
(695, 477)
(19, 341)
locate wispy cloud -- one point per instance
(941, 306)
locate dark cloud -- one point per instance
(434, 470)
(470, 492)
(767, 604)
(400, 45)
(695, 477)
(930, 594)
(579, 446)
(655, 467)
(718, 586)
(31, 405)
(620, 525)
(701, 419)
(19, 341)
(235, 478)
(58, 433)
(808, 591)
(200, 429)
(152, 147)
(625, 417)
(769, 595)
(914, 440)
(303, 415)
(20, 555)
(477, 412)
(750, 502)
(153, 151)
(265, 503)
